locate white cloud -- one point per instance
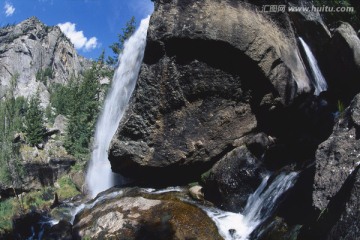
(9, 9)
(77, 37)
(91, 43)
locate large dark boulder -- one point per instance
(338, 156)
(336, 182)
(61, 230)
(347, 226)
(343, 62)
(211, 71)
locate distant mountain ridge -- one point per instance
(37, 55)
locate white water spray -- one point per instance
(320, 82)
(99, 176)
(260, 206)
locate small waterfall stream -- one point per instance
(319, 80)
(260, 206)
(99, 176)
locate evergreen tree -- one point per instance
(62, 97)
(118, 46)
(83, 113)
(34, 128)
(12, 111)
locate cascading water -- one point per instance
(99, 176)
(260, 206)
(319, 80)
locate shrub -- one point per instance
(34, 129)
(67, 188)
(8, 209)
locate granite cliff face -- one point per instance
(29, 49)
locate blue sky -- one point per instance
(92, 25)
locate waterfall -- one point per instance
(99, 175)
(319, 80)
(260, 206)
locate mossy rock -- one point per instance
(135, 215)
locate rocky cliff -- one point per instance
(30, 49)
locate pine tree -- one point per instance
(118, 46)
(12, 112)
(34, 128)
(83, 113)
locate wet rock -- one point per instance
(30, 225)
(233, 179)
(62, 230)
(134, 214)
(259, 143)
(337, 157)
(311, 27)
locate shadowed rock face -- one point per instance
(337, 157)
(233, 179)
(38, 175)
(336, 182)
(343, 74)
(211, 69)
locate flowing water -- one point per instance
(99, 175)
(319, 80)
(260, 206)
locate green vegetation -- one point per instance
(118, 46)
(41, 199)
(332, 18)
(38, 200)
(44, 75)
(79, 101)
(341, 107)
(62, 97)
(8, 209)
(82, 113)
(34, 124)
(205, 176)
(12, 111)
(67, 188)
